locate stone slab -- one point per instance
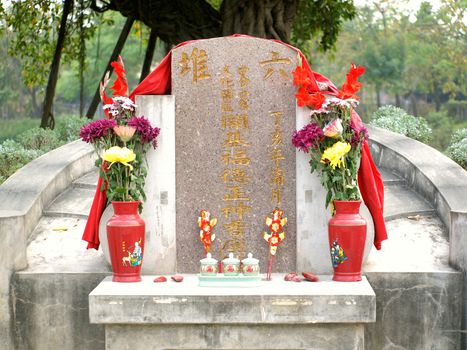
(229, 78)
(233, 337)
(74, 202)
(272, 302)
(159, 209)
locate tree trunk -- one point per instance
(149, 55)
(47, 116)
(378, 96)
(398, 100)
(82, 57)
(270, 19)
(36, 111)
(118, 48)
(173, 21)
(437, 99)
(413, 101)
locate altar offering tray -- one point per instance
(220, 280)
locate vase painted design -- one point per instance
(134, 258)
(337, 254)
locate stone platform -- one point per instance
(274, 315)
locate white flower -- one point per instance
(123, 99)
(335, 101)
(322, 110)
(128, 106)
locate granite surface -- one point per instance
(235, 114)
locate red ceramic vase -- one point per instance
(347, 235)
(125, 235)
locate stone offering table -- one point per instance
(275, 315)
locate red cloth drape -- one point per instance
(158, 82)
(91, 231)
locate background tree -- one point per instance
(41, 31)
(70, 23)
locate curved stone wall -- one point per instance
(23, 197)
(434, 176)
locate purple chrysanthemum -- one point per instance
(309, 136)
(96, 129)
(359, 135)
(143, 127)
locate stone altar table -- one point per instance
(275, 315)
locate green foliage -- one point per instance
(40, 139)
(457, 109)
(442, 127)
(459, 135)
(11, 128)
(67, 128)
(457, 150)
(397, 120)
(35, 26)
(33, 142)
(321, 20)
(13, 156)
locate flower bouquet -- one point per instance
(334, 139)
(121, 142)
(334, 136)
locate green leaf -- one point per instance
(328, 198)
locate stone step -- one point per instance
(389, 178)
(88, 181)
(401, 201)
(419, 244)
(74, 202)
(57, 247)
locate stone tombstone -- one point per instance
(235, 114)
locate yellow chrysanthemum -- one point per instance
(119, 155)
(335, 153)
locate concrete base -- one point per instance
(232, 337)
(274, 315)
(51, 311)
(416, 311)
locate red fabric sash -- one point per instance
(158, 82)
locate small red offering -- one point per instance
(310, 277)
(160, 279)
(177, 278)
(292, 277)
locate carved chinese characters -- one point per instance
(235, 158)
(196, 63)
(235, 112)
